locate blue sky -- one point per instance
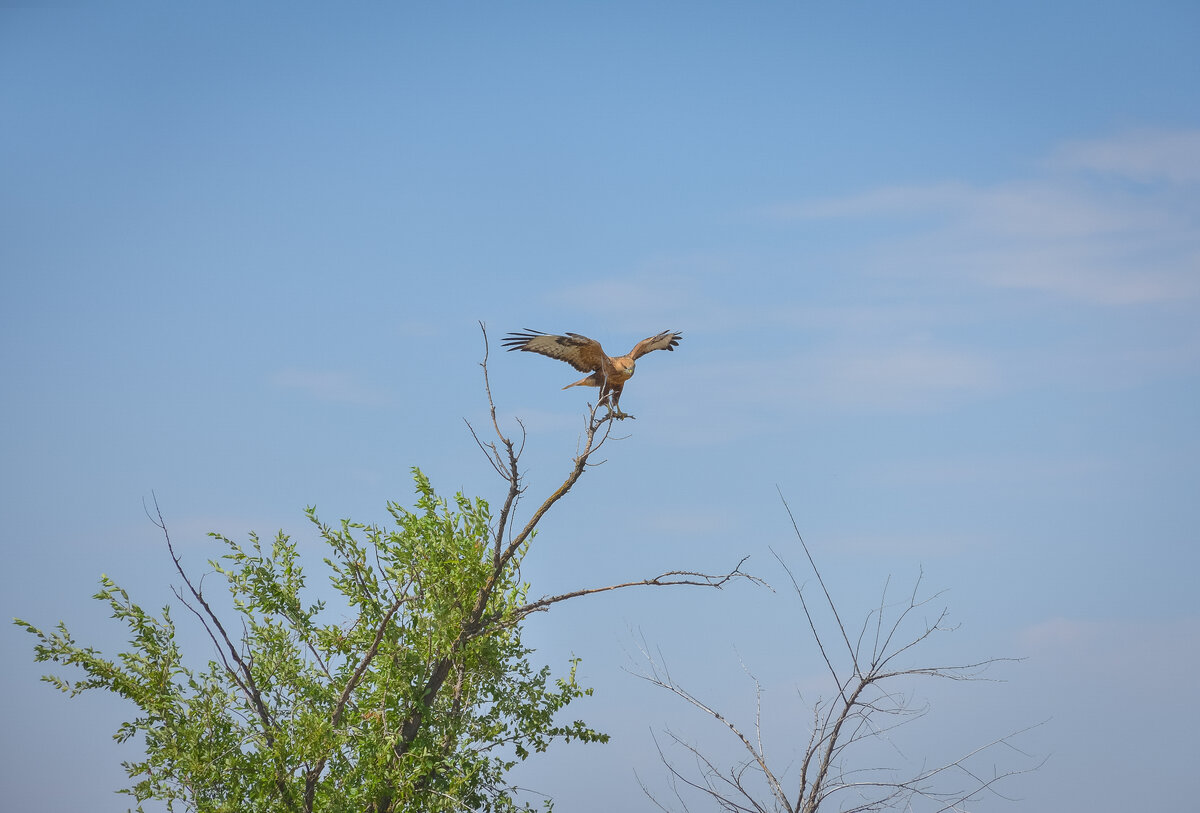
(937, 267)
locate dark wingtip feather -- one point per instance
(517, 341)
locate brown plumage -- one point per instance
(586, 355)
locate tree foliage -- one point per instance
(313, 708)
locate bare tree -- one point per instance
(869, 671)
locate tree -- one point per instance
(871, 671)
(416, 694)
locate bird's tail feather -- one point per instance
(587, 381)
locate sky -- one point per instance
(937, 270)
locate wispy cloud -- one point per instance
(934, 544)
(1105, 230)
(884, 200)
(692, 524)
(1143, 155)
(914, 376)
(659, 293)
(328, 385)
(871, 378)
(1113, 222)
(1118, 645)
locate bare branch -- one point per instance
(817, 573)
(673, 578)
(658, 675)
(866, 705)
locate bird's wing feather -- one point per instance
(580, 352)
(663, 341)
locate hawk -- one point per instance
(586, 355)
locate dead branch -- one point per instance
(865, 705)
(673, 578)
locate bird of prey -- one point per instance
(586, 355)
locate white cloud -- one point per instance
(914, 322)
(906, 377)
(625, 304)
(658, 293)
(1144, 155)
(1071, 234)
(885, 200)
(1038, 470)
(1121, 646)
(874, 378)
(328, 385)
(692, 523)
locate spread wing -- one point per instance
(663, 341)
(580, 352)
